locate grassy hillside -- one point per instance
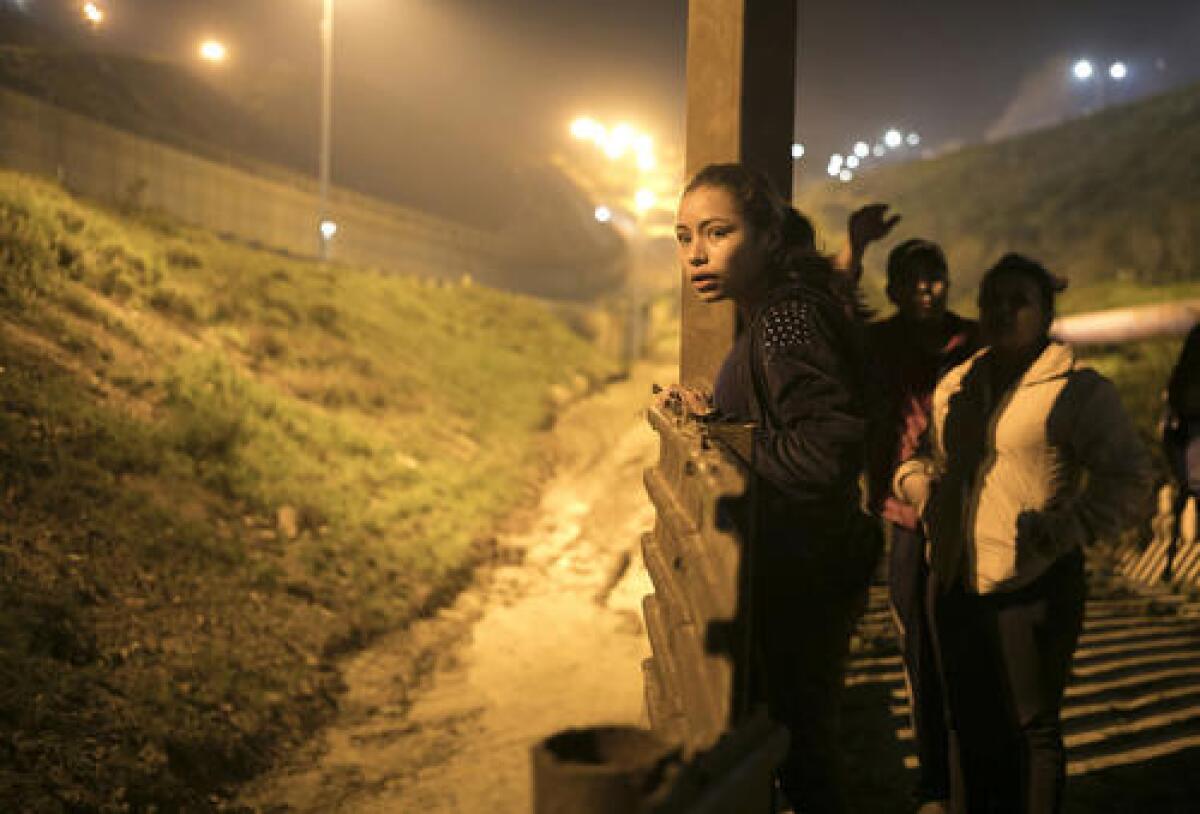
(1111, 197)
(220, 468)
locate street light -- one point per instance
(93, 14)
(893, 138)
(326, 121)
(797, 150)
(1085, 71)
(584, 128)
(644, 200)
(213, 51)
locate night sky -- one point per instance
(460, 82)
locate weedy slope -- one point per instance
(219, 468)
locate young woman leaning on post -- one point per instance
(797, 370)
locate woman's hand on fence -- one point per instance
(683, 400)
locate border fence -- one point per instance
(252, 201)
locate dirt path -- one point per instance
(549, 640)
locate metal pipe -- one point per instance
(326, 123)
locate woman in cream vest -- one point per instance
(1030, 458)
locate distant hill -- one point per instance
(1111, 197)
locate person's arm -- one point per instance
(864, 226)
(819, 444)
(1183, 390)
(1119, 478)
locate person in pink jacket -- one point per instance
(1030, 458)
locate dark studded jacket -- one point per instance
(811, 404)
(1183, 389)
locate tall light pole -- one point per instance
(326, 232)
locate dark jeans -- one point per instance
(806, 625)
(1006, 658)
(1183, 456)
(907, 578)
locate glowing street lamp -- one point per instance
(325, 157)
(93, 14)
(1084, 71)
(329, 228)
(585, 128)
(846, 176)
(644, 200)
(912, 139)
(893, 138)
(213, 51)
(797, 150)
(603, 214)
(862, 149)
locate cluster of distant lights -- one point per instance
(1084, 70)
(619, 142)
(842, 166)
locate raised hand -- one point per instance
(870, 223)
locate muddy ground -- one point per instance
(441, 718)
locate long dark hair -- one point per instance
(792, 255)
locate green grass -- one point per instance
(164, 396)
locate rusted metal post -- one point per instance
(741, 81)
(741, 90)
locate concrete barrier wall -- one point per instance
(252, 201)
(694, 557)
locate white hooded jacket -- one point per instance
(1004, 492)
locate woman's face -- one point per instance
(1013, 318)
(721, 254)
